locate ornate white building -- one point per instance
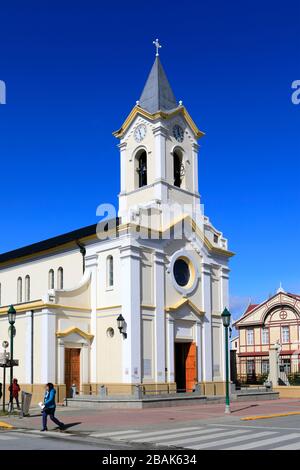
(161, 265)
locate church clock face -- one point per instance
(140, 132)
(178, 133)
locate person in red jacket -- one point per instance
(15, 392)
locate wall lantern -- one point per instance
(121, 325)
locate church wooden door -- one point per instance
(72, 368)
(190, 367)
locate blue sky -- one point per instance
(73, 72)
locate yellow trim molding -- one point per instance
(188, 302)
(74, 329)
(160, 114)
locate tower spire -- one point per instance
(157, 94)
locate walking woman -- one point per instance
(49, 408)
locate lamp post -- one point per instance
(226, 322)
(11, 320)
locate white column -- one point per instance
(170, 349)
(131, 311)
(48, 342)
(91, 266)
(123, 166)
(60, 361)
(160, 360)
(195, 148)
(84, 364)
(28, 354)
(199, 350)
(160, 134)
(207, 327)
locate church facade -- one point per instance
(135, 300)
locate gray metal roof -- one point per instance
(157, 94)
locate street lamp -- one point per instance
(226, 323)
(11, 314)
(121, 324)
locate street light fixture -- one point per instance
(121, 325)
(226, 323)
(11, 314)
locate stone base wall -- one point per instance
(289, 391)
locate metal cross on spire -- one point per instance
(157, 45)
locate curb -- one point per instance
(4, 425)
(275, 415)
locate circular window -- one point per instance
(110, 332)
(181, 272)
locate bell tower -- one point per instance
(158, 150)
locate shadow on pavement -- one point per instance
(245, 408)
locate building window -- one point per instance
(27, 288)
(60, 278)
(19, 290)
(250, 366)
(142, 168)
(216, 239)
(109, 271)
(250, 337)
(285, 334)
(51, 279)
(178, 168)
(265, 366)
(265, 336)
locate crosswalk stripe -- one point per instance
(265, 442)
(7, 438)
(294, 446)
(222, 442)
(51, 433)
(156, 433)
(186, 437)
(182, 442)
(115, 433)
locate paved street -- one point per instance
(275, 434)
(179, 427)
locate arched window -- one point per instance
(178, 168)
(51, 279)
(141, 169)
(19, 290)
(27, 288)
(109, 271)
(60, 278)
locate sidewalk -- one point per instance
(87, 420)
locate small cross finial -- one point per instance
(157, 45)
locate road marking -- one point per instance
(255, 427)
(5, 425)
(265, 442)
(222, 442)
(50, 433)
(157, 433)
(295, 446)
(115, 433)
(275, 415)
(169, 436)
(7, 438)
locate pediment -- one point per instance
(75, 334)
(261, 312)
(185, 310)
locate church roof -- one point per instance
(157, 94)
(50, 243)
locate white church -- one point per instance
(136, 300)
